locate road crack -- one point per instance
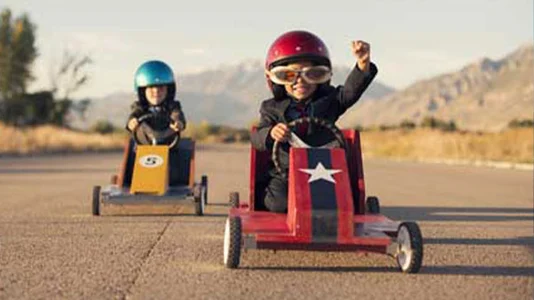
(144, 259)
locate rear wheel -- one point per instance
(372, 205)
(199, 200)
(96, 200)
(234, 199)
(204, 183)
(232, 242)
(410, 247)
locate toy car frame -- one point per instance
(327, 209)
(144, 185)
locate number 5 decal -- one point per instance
(151, 161)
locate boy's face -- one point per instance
(301, 89)
(155, 94)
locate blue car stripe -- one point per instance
(323, 199)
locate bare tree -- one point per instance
(70, 75)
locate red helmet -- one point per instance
(297, 45)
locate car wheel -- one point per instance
(234, 199)
(96, 200)
(204, 183)
(372, 205)
(409, 254)
(232, 242)
(199, 201)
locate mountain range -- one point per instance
(227, 94)
(483, 95)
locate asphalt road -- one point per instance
(477, 225)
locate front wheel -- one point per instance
(204, 183)
(232, 242)
(199, 200)
(409, 254)
(96, 200)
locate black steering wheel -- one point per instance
(157, 137)
(295, 141)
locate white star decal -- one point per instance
(320, 173)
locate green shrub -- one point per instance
(434, 123)
(407, 124)
(103, 127)
(521, 123)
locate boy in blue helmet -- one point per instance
(156, 88)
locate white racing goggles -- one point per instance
(287, 75)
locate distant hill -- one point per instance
(229, 94)
(484, 95)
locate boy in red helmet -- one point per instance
(298, 72)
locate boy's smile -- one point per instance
(302, 90)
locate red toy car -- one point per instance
(327, 208)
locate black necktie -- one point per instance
(302, 128)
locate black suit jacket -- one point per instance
(327, 103)
(172, 109)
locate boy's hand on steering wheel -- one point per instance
(175, 126)
(280, 133)
(132, 124)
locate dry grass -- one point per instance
(209, 133)
(53, 139)
(514, 145)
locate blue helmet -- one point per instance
(154, 72)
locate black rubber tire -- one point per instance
(199, 204)
(96, 200)
(234, 199)
(232, 242)
(204, 183)
(416, 244)
(372, 205)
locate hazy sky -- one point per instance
(410, 39)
